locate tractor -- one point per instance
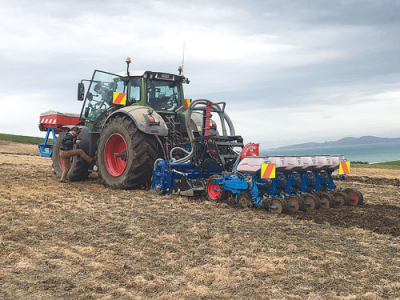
(128, 121)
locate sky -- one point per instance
(289, 71)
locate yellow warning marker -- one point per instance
(267, 171)
(119, 98)
(344, 167)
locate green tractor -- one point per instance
(129, 120)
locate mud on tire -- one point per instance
(133, 169)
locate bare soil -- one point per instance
(82, 240)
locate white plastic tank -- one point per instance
(279, 161)
(324, 162)
(335, 162)
(309, 163)
(293, 163)
(250, 164)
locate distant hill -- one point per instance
(344, 142)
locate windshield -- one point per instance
(99, 97)
(163, 95)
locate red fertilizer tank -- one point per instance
(56, 120)
(53, 122)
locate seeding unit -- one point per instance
(278, 183)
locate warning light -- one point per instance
(128, 60)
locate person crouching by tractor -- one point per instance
(67, 151)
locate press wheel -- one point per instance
(356, 197)
(244, 200)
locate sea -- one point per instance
(370, 153)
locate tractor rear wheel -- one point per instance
(79, 167)
(125, 155)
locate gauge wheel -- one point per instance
(214, 191)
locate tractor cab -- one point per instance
(163, 92)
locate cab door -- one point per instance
(99, 97)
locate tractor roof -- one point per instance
(132, 73)
(155, 75)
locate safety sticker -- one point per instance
(187, 102)
(344, 167)
(119, 98)
(267, 171)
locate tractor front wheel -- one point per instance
(79, 167)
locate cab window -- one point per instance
(163, 95)
(135, 90)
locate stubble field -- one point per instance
(82, 240)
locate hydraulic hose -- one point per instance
(201, 104)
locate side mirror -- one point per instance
(81, 91)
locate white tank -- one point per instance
(293, 163)
(309, 162)
(324, 162)
(335, 162)
(279, 161)
(250, 164)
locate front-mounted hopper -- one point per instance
(53, 123)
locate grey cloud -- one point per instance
(271, 55)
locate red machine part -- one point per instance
(251, 149)
(56, 120)
(207, 119)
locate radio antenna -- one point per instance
(183, 55)
(180, 68)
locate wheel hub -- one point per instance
(116, 154)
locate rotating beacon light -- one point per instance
(128, 61)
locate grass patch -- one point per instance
(23, 139)
(393, 165)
